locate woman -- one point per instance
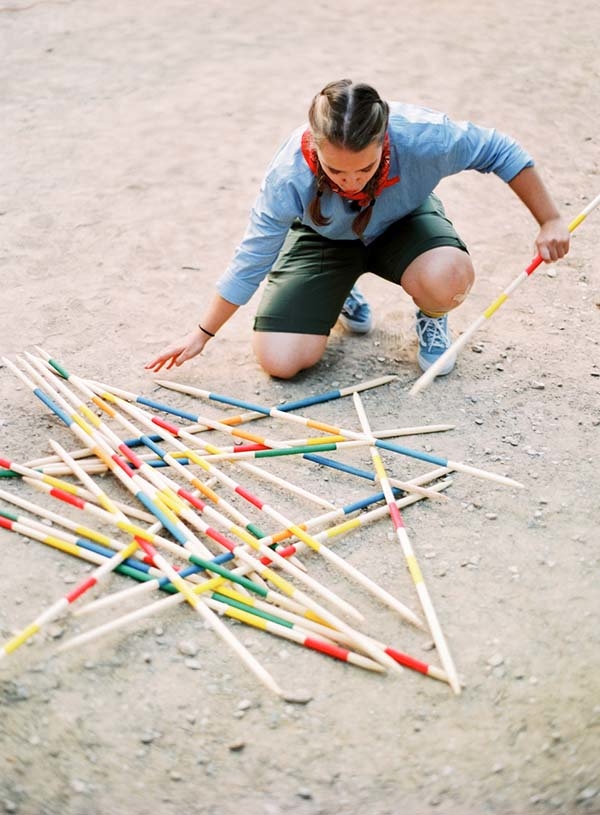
(351, 193)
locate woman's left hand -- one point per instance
(553, 240)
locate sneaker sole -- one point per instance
(425, 364)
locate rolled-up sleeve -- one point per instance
(471, 147)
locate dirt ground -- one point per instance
(134, 137)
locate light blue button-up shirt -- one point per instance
(425, 146)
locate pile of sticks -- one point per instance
(183, 534)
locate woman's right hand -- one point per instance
(179, 352)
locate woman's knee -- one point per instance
(285, 355)
(439, 279)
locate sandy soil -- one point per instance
(134, 137)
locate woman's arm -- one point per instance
(553, 238)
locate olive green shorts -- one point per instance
(313, 275)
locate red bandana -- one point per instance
(380, 178)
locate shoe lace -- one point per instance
(353, 303)
(432, 332)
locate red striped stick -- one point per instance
(411, 561)
(53, 611)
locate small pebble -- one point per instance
(187, 648)
(304, 793)
(514, 442)
(298, 698)
(496, 660)
(193, 664)
(237, 746)
(491, 516)
(175, 775)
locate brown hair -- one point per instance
(352, 116)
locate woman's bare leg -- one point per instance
(284, 355)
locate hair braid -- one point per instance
(314, 208)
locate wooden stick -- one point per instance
(429, 375)
(273, 626)
(84, 452)
(298, 403)
(411, 561)
(326, 428)
(53, 611)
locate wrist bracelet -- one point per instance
(210, 334)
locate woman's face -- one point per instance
(350, 171)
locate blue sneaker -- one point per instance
(356, 315)
(434, 339)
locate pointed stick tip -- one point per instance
(418, 386)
